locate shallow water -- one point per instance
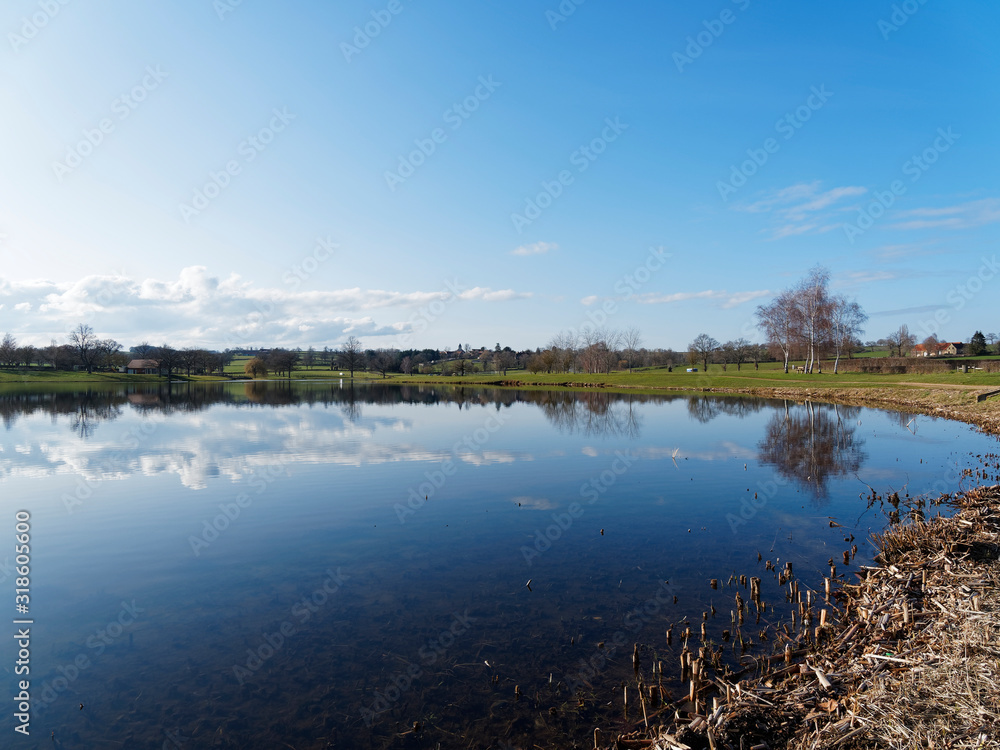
(313, 565)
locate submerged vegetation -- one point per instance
(903, 657)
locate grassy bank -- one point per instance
(44, 376)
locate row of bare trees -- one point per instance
(705, 349)
(808, 317)
(592, 350)
(84, 349)
(190, 361)
(279, 361)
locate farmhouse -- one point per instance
(940, 349)
(143, 367)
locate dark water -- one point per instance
(271, 565)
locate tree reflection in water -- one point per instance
(88, 415)
(592, 414)
(706, 408)
(812, 444)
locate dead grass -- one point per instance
(912, 662)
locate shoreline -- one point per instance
(937, 400)
(907, 657)
(950, 401)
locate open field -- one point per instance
(45, 375)
(769, 375)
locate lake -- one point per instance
(273, 564)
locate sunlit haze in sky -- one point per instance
(429, 174)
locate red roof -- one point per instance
(939, 346)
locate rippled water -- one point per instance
(306, 565)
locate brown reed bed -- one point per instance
(908, 656)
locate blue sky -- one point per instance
(427, 174)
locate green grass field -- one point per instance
(45, 375)
(876, 353)
(769, 375)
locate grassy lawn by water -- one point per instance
(769, 375)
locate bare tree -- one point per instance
(563, 347)
(406, 365)
(744, 352)
(187, 359)
(812, 301)
(309, 358)
(504, 360)
(282, 361)
(846, 321)
(631, 340)
(108, 354)
(778, 321)
(25, 355)
(223, 360)
(901, 340)
(143, 351)
(727, 354)
(599, 349)
(703, 348)
(168, 358)
(548, 359)
(84, 341)
(383, 360)
(735, 353)
(352, 356)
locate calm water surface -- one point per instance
(270, 565)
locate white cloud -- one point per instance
(489, 295)
(823, 200)
(537, 248)
(853, 278)
(739, 298)
(199, 309)
(803, 208)
(782, 197)
(961, 216)
(658, 299)
(727, 299)
(790, 230)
